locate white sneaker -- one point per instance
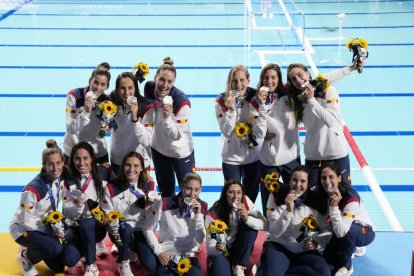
(26, 266)
(91, 270)
(359, 251)
(101, 249)
(124, 269)
(238, 270)
(114, 249)
(343, 271)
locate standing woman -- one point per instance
(241, 134)
(238, 212)
(132, 130)
(40, 197)
(83, 193)
(297, 232)
(325, 140)
(82, 124)
(128, 194)
(180, 219)
(352, 227)
(172, 142)
(280, 151)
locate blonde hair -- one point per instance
(190, 176)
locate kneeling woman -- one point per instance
(82, 196)
(40, 198)
(129, 194)
(181, 225)
(351, 224)
(297, 232)
(230, 254)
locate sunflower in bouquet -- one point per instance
(217, 230)
(141, 71)
(114, 219)
(55, 220)
(106, 112)
(271, 182)
(183, 266)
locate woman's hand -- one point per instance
(221, 247)
(244, 215)
(89, 103)
(310, 245)
(59, 234)
(134, 112)
(269, 136)
(309, 91)
(262, 94)
(335, 198)
(167, 110)
(196, 205)
(79, 201)
(290, 201)
(164, 257)
(230, 102)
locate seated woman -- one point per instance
(297, 232)
(83, 195)
(129, 194)
(237, 211)
(351, 224)
(39, 241)
(181, 225)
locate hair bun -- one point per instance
(168, 60)
(104, 65)
(51, 143)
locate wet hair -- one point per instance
(230, 77)
(142, 178)
(280, 91)
(221, 205)
(51, 148)
(101, 70)
(190, 176)
(168, 64)
(117, 100)
(94, 167)
(293, 92)
(343, 187)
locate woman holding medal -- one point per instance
(82, 124)
(172, 142)
(230, 255)
(133, 195)
(83, 196)
(321, 115)
(297, 232)
(132, 129)
(181, 224)
(352, 228)
(241, 134)
(39, 241)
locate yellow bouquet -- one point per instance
(310, 227)
(183, 266)
(217, 230)
(98, 214)
(114, 218)
(106, 112)
(55, 220)
(321, 84)
(141, 71)
(271, 182)
(359, 48)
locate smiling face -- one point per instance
(192, 189)
(126, 89)
(240, 81)
(329, 180)
(164, 81)
(270, 79)
(234, 194)
(132, 169)
(82, 161)
(298, 76)
(53, 166)
(299, 181)
(99, 84)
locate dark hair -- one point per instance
(190, 176)
(94, 167)
(101, 70)
(280, 90)
(168, 64)
(221, 205)
(343, 187)
(142, 178)
(116, 99)
(293, 92)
